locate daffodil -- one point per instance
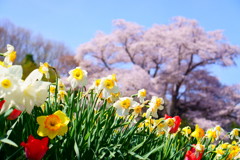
(211, 134)
(155, 104)
(61, 95)
(123, 105)
(27, 93)
(78, 77)
(53, 125)
(160, 126)
(195, 153)
(142, 95)
(137, 109)
(61, 85)
(198, 133)
(218, 130)
(172, 123)
(108, 86)
(235, 133)
(52, 90)
(112, 99)
(7, 85)
(9, 82)
(10, 55)
(186, 131)
(96, 84)
(44, 69)
(234, 152)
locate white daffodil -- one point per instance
(61, 95)
(61, 86)
(235, 133)
(218, 130)
(161, 126)
(77, 77)
(155, 104)
(137, 109)
(52, 90)
(123, 105)
(29, 93)
(108, 86)
(8, 79)
(44, 69)
(7, 85)
(10, 55)
(112, 99)
(142, 95)
(96, 85)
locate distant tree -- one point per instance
(168, 60)
(26, 42)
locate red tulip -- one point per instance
(177, 122)
(35, 149)
(193, 154)
(15, 113)
(1, 103)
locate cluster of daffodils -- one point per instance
(222, 150)
(163, 126)
(22, 94)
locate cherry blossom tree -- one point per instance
(43, 50)
(168, 60)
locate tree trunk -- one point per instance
(172, 108)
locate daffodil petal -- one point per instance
(62, 130)
(64, 119)
(41, 120)
(42, 131)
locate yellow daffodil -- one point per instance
(211, 134)
(53, 125)
(198, 133)
(186, 131)
(234, 152)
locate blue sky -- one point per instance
(76, 21)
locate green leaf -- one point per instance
(138, 146)
(137, 155)
(152, 151)
(76, 150)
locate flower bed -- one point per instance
(44, 120)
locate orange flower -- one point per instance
(53, 125)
